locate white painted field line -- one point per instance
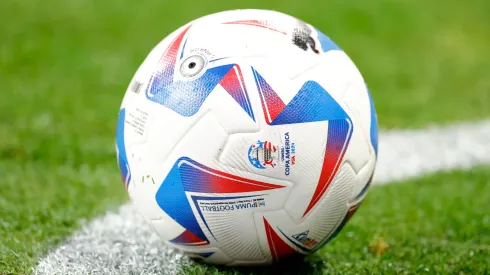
(411, 153)
(122, 243)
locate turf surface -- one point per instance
(438, 224)
(64, 65)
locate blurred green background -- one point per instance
(65, 64)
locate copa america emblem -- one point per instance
(263, 154)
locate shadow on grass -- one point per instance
(294, 265)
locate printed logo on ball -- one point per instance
(210, 205)
(302, 38)
(267, 155)
(263, 154)
(305, 240)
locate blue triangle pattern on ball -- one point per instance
(311, 103)
(172, 199)
(326, 43)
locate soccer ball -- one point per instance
(247, 136)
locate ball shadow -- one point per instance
(294, 265)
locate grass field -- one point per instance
(65, 64)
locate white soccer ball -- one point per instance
(247, 136)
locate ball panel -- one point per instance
(359, 151)
(317, 225)
(235, 229)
